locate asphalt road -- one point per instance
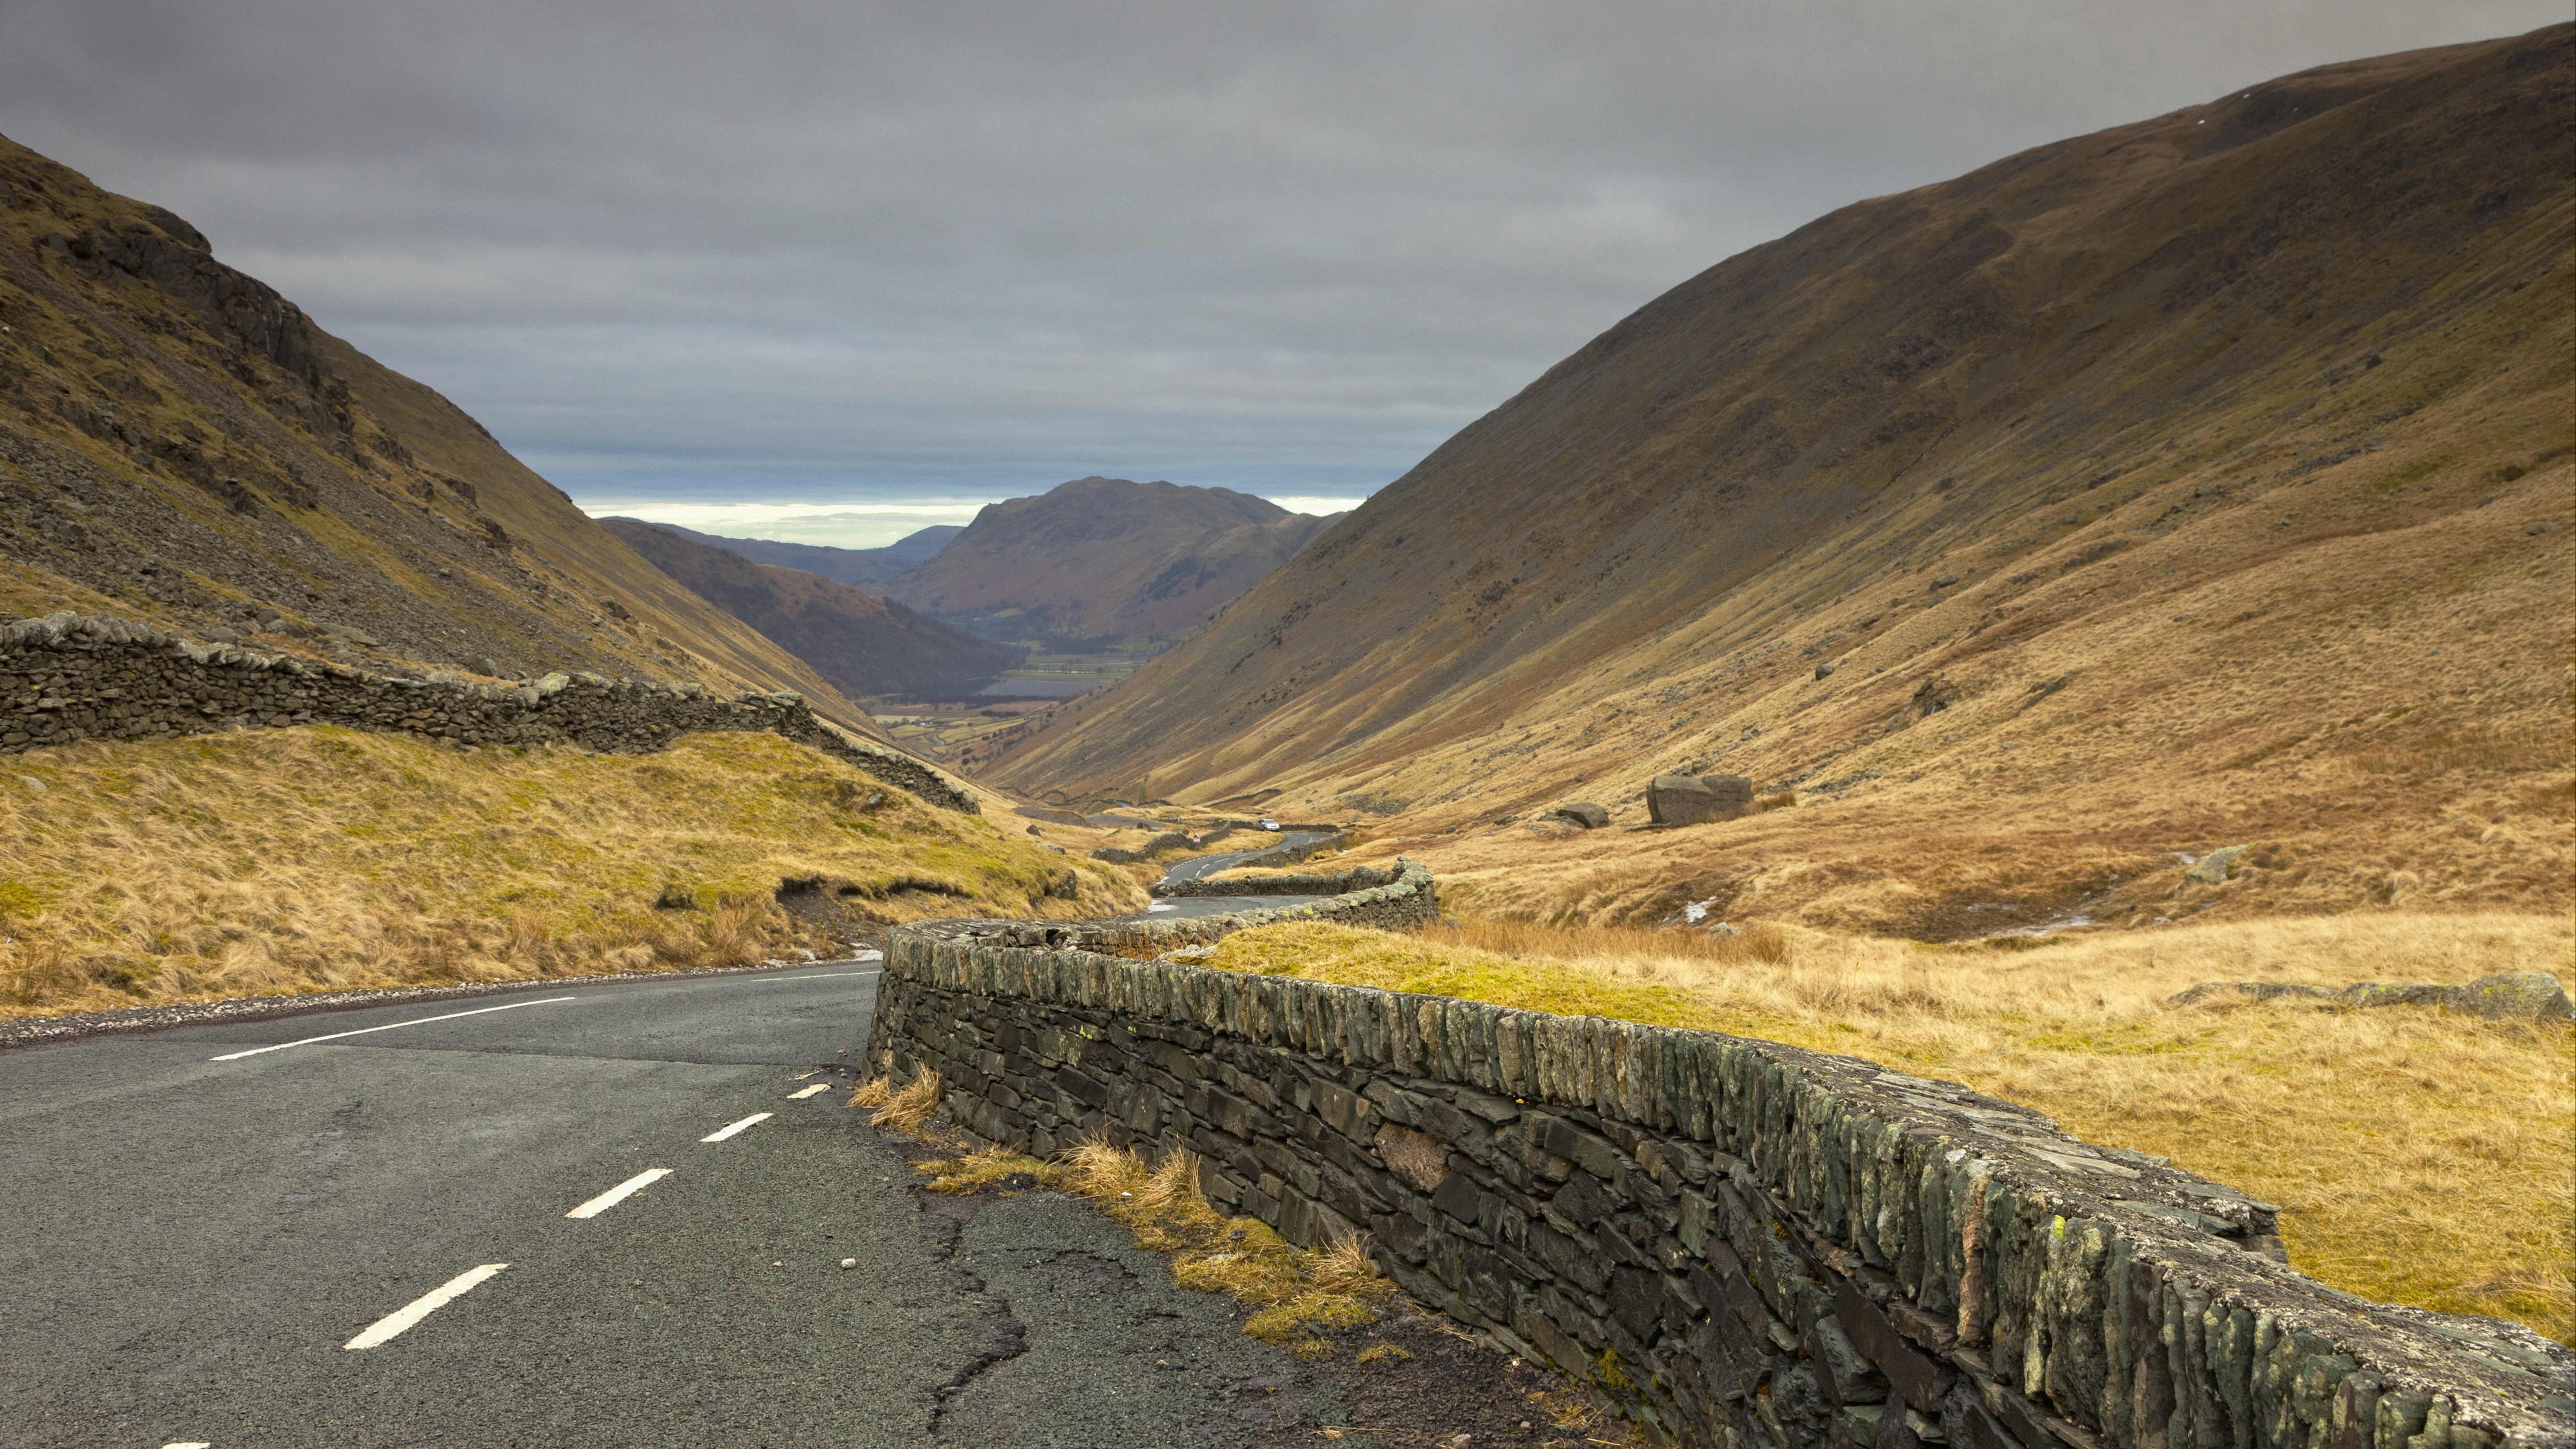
(191, 1242)
(1199, 866)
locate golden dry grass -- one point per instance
(2420, 1156)
(324, 859)
(906, 1109)
(1292, 1291)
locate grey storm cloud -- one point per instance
(763, 248)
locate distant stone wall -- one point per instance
(65, 678)
(1408, 901)
(1123, 855)
(1332, 883)
(1747, 1244)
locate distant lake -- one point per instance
(1034, 688)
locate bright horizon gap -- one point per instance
(853, 523)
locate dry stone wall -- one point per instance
(1747, 1243)
(65, 678)
(1403, 898)
(1304, 883)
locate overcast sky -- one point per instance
(751, 252)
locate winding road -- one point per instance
(1198, 867)
(605, 1214)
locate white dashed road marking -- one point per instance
(362, 1031)
(191, 1444)
(393, 1324)
(730, 1128)
(620, 1193)
(802, 1093)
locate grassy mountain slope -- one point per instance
(867, 568)
(863, 644)
(320, 859)
(179, 443)
(2201, 481)
(1101, 558)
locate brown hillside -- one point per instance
(863, 644)
(1104, 558)
(2205, 480)
(180, 444)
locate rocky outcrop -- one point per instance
(2506, 996)
(66, 678)
(1582, 813)
(1747, 1244)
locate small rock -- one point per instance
(32, 783)
(2542, 528)
(849, 1262)
(2212, 869)
(1945, 581)
(1824, 669)
(1581, 812)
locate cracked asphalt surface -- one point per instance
(191, 1243)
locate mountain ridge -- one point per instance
(863, 644)
(1106, 558)
(181, 444)
(862, 568)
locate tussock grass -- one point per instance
(903, 1109)
(1293, 1292)
(2420, 1156)
(320, 859)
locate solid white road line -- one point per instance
(362, 1031)
(390, 1326)
(191, 1444)
(730, 1128)
(620, 1193)
(802, 1093)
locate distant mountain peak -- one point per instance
(1101, 558)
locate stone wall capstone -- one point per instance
(65, 678)
(1746, 1243)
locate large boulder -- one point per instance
(1581, 812)
(1734, 792)
(1681, 800)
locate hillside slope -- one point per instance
(180, 444)
(866, 568)
(1105, 558)
(2204, 480)
(863, 644)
